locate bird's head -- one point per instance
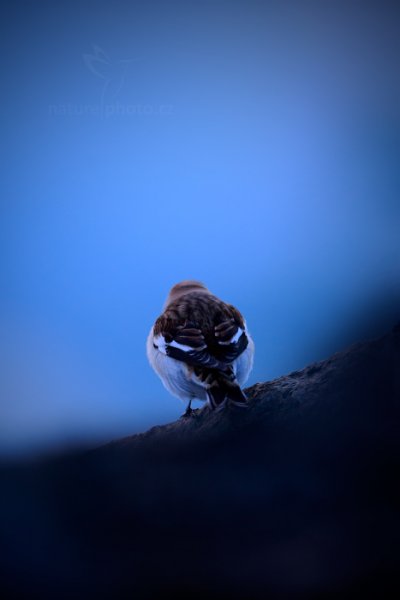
(184, 287)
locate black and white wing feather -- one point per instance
(213, 342)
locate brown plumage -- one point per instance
(207, 336)
(197, 318)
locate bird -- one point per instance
(200, 348)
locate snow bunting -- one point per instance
(200, 347)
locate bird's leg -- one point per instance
(189, 412)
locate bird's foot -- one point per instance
(189, 412)
(239, 403)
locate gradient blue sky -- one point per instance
(253, 146)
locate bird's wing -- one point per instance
(214, 345)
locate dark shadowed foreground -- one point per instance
(296, 496)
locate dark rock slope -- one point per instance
(297, 496)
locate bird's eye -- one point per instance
(154, 346)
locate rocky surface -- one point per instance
(296, 496)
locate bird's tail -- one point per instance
(223, 389)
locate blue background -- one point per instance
(252, 146)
